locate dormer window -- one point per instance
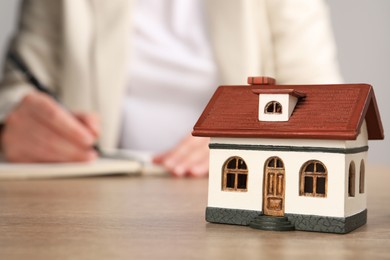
(276, 104)
(273, 107)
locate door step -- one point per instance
(264, 222)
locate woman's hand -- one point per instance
(189, 158)
(40, 130)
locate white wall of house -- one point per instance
(332, 205)
(361, 140)
(335, 204)
(252, 198)
(358, 203)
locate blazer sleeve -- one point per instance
(37, 41)
(304, 47)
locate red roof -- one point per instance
(323, 112)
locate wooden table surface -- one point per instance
(121, 217)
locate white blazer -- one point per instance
(80, 49)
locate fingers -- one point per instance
(189, 158)
(44, 145)
(47, 111)
(30, 136)
(89, 120)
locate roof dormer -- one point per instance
(275, 104)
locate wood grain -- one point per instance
(163, 218)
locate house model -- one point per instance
(286, 157)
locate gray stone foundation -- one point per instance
(230, 216)
(301, 222)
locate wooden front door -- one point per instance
(273, 188)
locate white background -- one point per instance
(362, 31)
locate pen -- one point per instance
(18, 62)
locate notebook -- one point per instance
(111, 163)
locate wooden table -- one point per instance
(122, 217)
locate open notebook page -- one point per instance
(112, 162)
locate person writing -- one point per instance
(137, 74)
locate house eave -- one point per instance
(328, 135)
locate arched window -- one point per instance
(362, 177)
(313, 179)
(351, 180)
(235, 175)
(273, 107)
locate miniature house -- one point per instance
(293, 155)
